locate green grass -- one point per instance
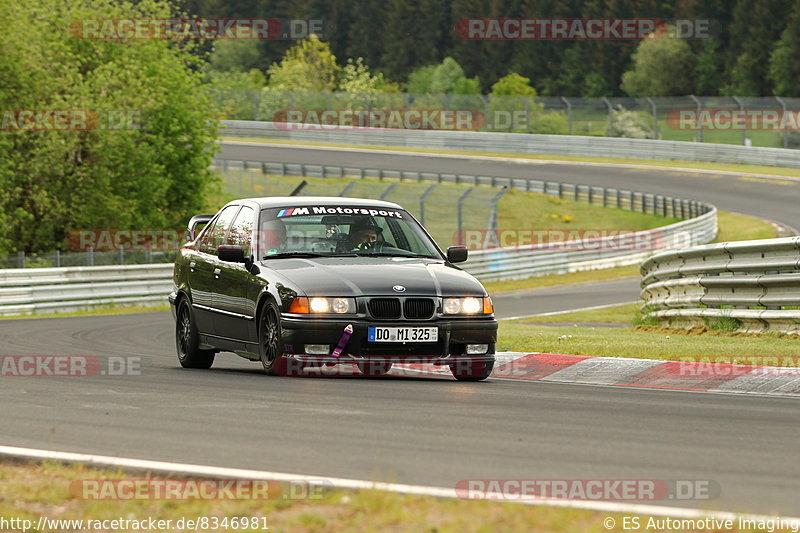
(28, 491)
(643, 341)
(656, 163)
(97, 311)
(738, 227)
(647, 342)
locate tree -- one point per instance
(661, 67)
(355, 77)
(513, 85)
(308, 66)
(784, 62)
(141, 159)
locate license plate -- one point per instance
(385, 334)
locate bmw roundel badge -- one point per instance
(399, 288)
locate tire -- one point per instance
(269, 341)
(187, 341)
(472, 371)
(375, 369)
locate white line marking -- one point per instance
(355, 484)
(554, 313)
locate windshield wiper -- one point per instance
(395, 254)
(284, 255)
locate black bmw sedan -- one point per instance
(298, 282)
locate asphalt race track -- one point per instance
(427, 430)
(430, 431)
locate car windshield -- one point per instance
(330, 230)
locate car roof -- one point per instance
(303, 201)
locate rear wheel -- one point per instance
(380, 368)
(187, 340)
(472, 370)
(269, 341)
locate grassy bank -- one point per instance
(31, 491)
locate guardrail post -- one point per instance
(20, 259)
(460, 214)
(148, 254)
(422, 202)
(57, 258)
(90, 256)
(569, 115)
(120, 255)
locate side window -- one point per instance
(213, 236)
(241, 232)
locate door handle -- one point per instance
(192, 265)
(217, 273)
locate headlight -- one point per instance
(468, 306)
(317, 305)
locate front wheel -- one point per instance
(472, 370)
(187, 340)
(269, 341)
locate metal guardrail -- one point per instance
(66, 289)
(521, 143)
(755, 284)
(522, 262)
(43, 290)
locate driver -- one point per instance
(364, 232)
(273, 237)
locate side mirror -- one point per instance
(231, 253)
(195, 224)
(457, 254)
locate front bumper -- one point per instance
(450, 348)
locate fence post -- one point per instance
(254, 98)
(90, 256)
(20, 259)
(495, 202)
(699, 122)
(388, 190)
(744, 122)
(120, 255)
(486, 110)
(460, 215)
(422, 202)
(299, 188)
(569, 114)
(610, 117)
(655, 117)
(786, 125)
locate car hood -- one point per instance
(375, 276)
